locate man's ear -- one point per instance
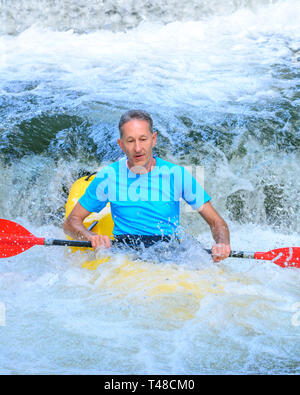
(154, 137)
(120, 142)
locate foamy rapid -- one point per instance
(221, 80)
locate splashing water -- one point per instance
(221, 81)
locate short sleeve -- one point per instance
(95, 197)
(192, 192)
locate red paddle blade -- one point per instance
(284, 257)
(15, 239)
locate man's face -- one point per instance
(137, 143)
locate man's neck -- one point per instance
(142, 169)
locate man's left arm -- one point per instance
(220, 232)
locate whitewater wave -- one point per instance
(89, 15)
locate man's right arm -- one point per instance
(73, 226)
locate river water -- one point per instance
(221, 80)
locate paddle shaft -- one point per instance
(68, 243)
(237, 254)
(233, 254)
(29, 241)
(282, 257)
(88, 244)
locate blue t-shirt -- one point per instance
(143, 204)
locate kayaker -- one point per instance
(144, 193)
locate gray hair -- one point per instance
(135, 114)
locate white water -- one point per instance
(63, 319)
(224, 63)
(89, 15)
(216, 61)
